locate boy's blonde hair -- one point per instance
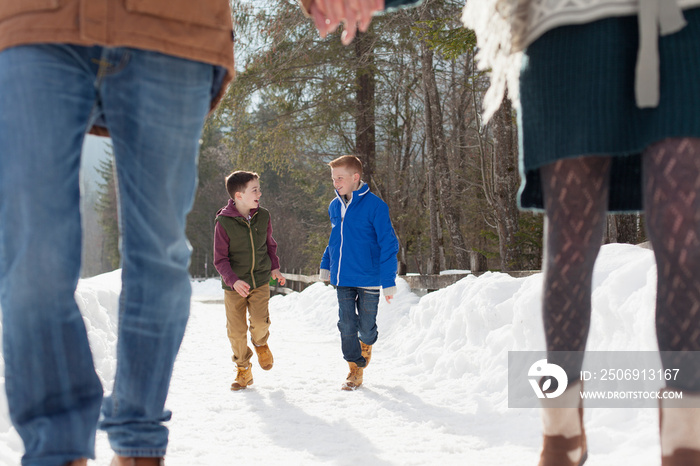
(237, 181)
(350, 162)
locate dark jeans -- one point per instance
(357, 316)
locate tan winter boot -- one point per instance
(243, 378)
(564, 437)
(679, 426)
(354, 379)
(366, 352)
(264, 356)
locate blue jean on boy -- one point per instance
(154, 106)
(357, 316)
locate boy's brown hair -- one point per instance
(350, 162)
(238, 180)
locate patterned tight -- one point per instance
(576, 198)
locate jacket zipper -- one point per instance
(340, 257)
(343, 211)
(252, 249)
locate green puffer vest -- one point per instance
(247, 247)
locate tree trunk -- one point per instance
(478, 262)
(365, 143)
(437, 154)
(505, 185)
(433, 212)
(622, 228)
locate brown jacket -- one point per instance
(199, 30)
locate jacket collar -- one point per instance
(232, 211)
(356, 195)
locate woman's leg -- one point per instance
(672, 207)
(576, 199)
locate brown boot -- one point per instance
(679, 427)
(264, 356)
(78, 462)
(354, 379)
(366, 352)
(243, 378)
(133, 461)
(564, 436)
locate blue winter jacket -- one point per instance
(362, 249)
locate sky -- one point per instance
(436, 391)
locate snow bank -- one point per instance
(98, 300)
(204, 290)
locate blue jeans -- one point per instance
(154, 106)
(357, 321)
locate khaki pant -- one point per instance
(256, 304)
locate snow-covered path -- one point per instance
(296, 413)
(434, 394)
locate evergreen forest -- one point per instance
(406, 98)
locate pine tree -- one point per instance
(107, 206)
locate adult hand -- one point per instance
(242, 288)
(279, 277)
(328, 14)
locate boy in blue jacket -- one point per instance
(360, 259)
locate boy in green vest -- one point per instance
(245, 255)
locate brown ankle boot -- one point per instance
(354, 379)
(556, 448)
(133, 461)
(679, 429)
(682, 457)
(78, 462)
(564, 449)
(244, 377)
(264, 356)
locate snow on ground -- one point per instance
(434, 394)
